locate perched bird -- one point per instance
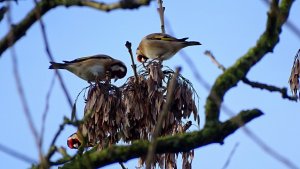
(73, 141)
(94, 68)
(161, 46)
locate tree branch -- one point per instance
(249, 133)
(271, 88)
(277, 16)
(230, 156)
(3, 10)
(128, 46)
(19, 30)
(161, 11)
(259, 85)
(169, 144)
(16, 154)
(20, 89)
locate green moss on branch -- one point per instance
(170, 144)
(277, 16)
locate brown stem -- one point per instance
(161, 11)
(128, 46)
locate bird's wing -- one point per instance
(164, 37)
(89, 57)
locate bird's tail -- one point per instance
(55, 65)
(192, 43)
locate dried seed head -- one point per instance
(294, 77)
(131, 111)
(103, 113)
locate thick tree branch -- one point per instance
(18, 30)
(169, 144)
(277, 16)
(250, 134)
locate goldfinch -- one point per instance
(161, 46)
(94, 68)
(73, 141)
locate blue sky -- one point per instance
(227, 28)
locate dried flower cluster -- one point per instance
(294, 78)
(131, 112)
(103, 114)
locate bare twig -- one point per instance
(46, 110)
(230, 156)
(73, 114)
(66, 121)
(75, 122)
(45, 6)
(122, 165)
(161, 11)
(214, 60)
(20, 86)
(162, 115)
(271, 88)
(52, 148)
(38, 14)
(187, 125)
(128, 46)
(259, 85)
(293, 28)
(269, 150)
(16, 154)
(3, 10)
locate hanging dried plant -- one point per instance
(294, 77)
(103, 115)
(131, 112)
